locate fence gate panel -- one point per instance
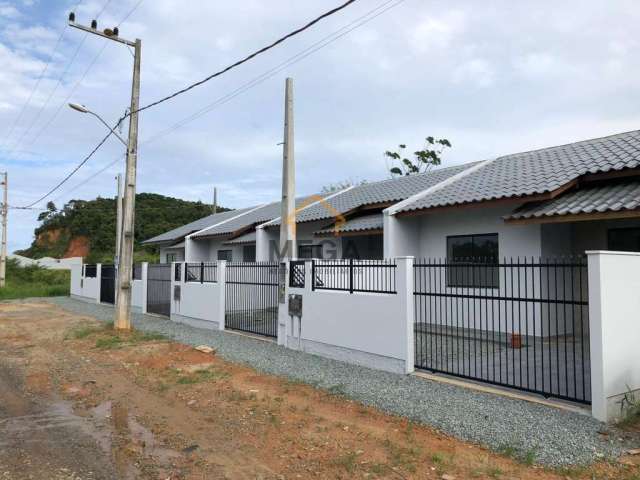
(108, 284)
(522, 324)
(159, 289)
(251, 297)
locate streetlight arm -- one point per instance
(109, 127)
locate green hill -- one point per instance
(87, 228)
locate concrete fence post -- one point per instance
(283, 308)
(222, 289)
(404, 287)
(144, 267)
(98, 281)
(172, 303)
(614, 331)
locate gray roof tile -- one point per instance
(385, 191)
(365, 223)
(591, 199)
(181, 232)
(537, 171)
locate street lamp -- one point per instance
(82, 109)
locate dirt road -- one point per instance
(79, 402)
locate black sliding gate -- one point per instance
(251, 297)
(108, 284)
(159, 289)
(522, 324)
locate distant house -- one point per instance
(555, 201)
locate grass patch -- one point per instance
(199, 376)
(121, 339)
(347, 461)
(405, 458)
(630, 405)
(34, 281)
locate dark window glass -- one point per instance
(171, 257)
(249, 253)
(225, 255)
(624, 239)
(362, 247)
(477, 256)
(310, 251)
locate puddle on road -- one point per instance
(131, 435)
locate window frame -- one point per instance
(244, 253)
(311, 247)
(493, 282)
(227, 250)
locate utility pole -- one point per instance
(3, 248)
(288, 214)
(215, 201)
(118, 219)
(125, 260)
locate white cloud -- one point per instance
(437, 32)
(477, 72)
(9, 11)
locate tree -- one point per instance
(48, 213)
(423, 160)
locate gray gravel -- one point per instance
(555, 437)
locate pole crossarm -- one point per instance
(95, 31)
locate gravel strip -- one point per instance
(553, 437)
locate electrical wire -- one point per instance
(248, 57)
(55, 88)
(325, 41)
(210, 77)
(80, 80)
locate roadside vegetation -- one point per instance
(34, 281)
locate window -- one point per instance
(362, 247)
(478, 259)
(225, 255)
(171, 257)
(624, 239)
(309, 251)
(249, 253)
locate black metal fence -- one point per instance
(202, 272)
(108, 284)
(90, 271)
(137, 272)
(374, 276)
(296, 273)
(251, 297)
(177, 274)
(519, 323)
(159, 289)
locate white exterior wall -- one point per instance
(268, 241)
(196, 251)
(178, 252)
(200, 305)
(76, 280)
(370, 329)
(138, 288)
(614, 306)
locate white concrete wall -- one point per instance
(138, 288)
(76, 280)
(91, 286)
(614, 316)
(370, 329)
(178, 252)
(200, 304)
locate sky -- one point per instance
(492, 77)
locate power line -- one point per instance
(325, 41)
(55, 88)
(248, 57)
(80, 80)
(190, 87)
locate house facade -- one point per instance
(552, 202)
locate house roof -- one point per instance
(594, 199)
(252, 217)
(242, 239)
(181, 232)
(382, 192)
(359, 224)
(536, 172)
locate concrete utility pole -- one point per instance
(118, 219)
(288, 220)
(215, 201)
(3, 248)
(125, 261)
